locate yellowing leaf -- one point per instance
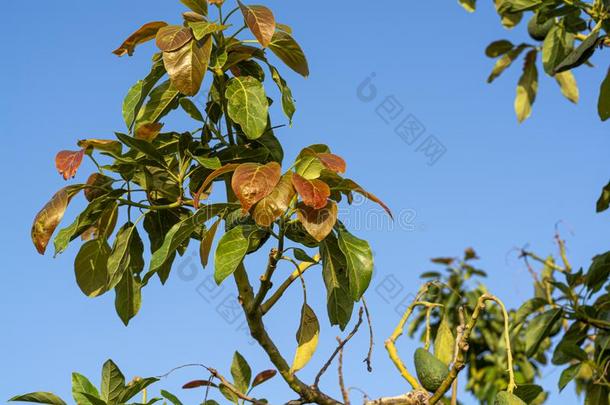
(318, 223)
(252, 182)
(307, 338)
(260, 21)
(148, 131)
(504, 62)
(527, 87)
(187, 66)
(568, 86)
(143, 34)
(469, 5)
(444, 343)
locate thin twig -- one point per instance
(344, 392)
(338, 349)
(368, 360)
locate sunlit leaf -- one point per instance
(276, 203)
(159, 104)
(143, 34)
(444, 342)
(230, 252)
(104, 145)
(318, 222)
(241, 372)
(314, 193)
(527, 87)
(505, 61)
(47, 220)
(252, 182)
(198, 6)
(308, 335)
(80, 385)
(248, 105)
(289, 51)
(148, 131)
(260, 21)
(333, 162)
(173, 37)
(603, 102)
(67, 162)
(39, 398)
(556, 46)
(113, 382)
(187, 66)
(498, 48)
(288, 105)
(138, 92)
(469, 5)
(568, 86)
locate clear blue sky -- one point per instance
(499, 185)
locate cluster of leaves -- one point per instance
(566, 35)
(115, 391)
(166, 176)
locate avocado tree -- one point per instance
(229, 174)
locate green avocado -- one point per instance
(506, 398)
(539, 31)
(430, 371)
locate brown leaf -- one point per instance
(333, 162)
(470, 254)
(262, 377)
(173, 37)
(318, 223)
(443, 260)
(314, 192)
(67, 162)
(350, 185)
(98, 185)
(261, 22)
(104, 145)
(228, 168)
(275, 204)
(148, 131)
(145, 33)
(252, 182)
(198, 383)
(186, 66)
(50, 216)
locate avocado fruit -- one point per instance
(539, 31)
(506, 398)
(430, 371)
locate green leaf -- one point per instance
(142, 146)
(198, 6)
(603, 102)
(161, 101)
(287, 100)
(307, 338)
(289, 51)
(134, 387)
(568, 375)
(80, 385)
(359, 261)
(527, 88)
(505, 61)
(557, 45)
(123, 254)
(302, 256)
(528, 392)
(340, 304)
(91, 267)
(113, 382)
(528, 308)
(604, 199)
(228, 394)
(206, 243)
(128, 299)
(39, 398)
(469, 5)
(498, 48)
(203, 28)
(596, 395)
(598, 272)
(241, 373)
(211, 163)
(138, 92)
(568, 86)
(579, 55)
(539, 329)
(231, 250)
(248, 105)
(170, 397)
(191, 109)
(444, 342)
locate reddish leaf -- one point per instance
(145, 33)
(333, 162)
(252, 182)
(260, 21)
(198, 383)
(275, 204)
(263, 376)
(314, 193)
(98, 185)
(351, 186)
(173, 37)
(67, 162)
(50, 216)
(318, 223)
(218, 172)
(148, 131)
